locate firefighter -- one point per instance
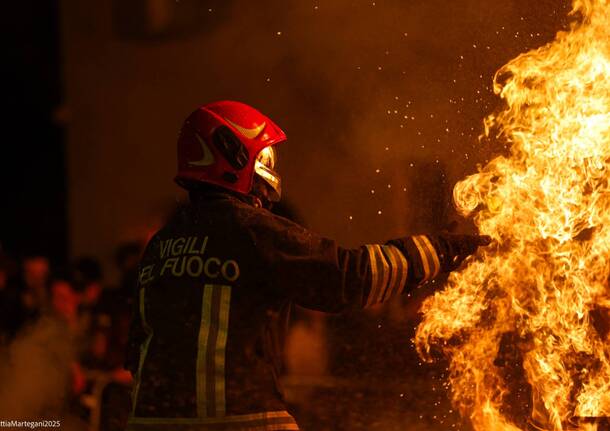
(204, 342)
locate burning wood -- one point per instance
(547, 205)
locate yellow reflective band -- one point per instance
(221, 344)
(394, 272)
(212, 342)
(403, 269)
(374, 275)
(432, 252)
(143, 351)
(202, 346)
(386, 270)
(423, 256)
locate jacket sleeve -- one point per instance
(317, 273)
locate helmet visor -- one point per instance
(264, 167)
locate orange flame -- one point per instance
(547, 206)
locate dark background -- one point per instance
(34, 193)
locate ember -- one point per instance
(547, 205)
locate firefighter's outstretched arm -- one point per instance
(319, 274)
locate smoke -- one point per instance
(35, 372)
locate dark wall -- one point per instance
(33, 214)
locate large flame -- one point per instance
(535, 292)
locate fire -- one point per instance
(535, 292)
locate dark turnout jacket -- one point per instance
(203, 348)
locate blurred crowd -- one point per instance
(92, 315)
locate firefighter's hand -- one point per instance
(454, 248)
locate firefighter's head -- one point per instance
(230, 145)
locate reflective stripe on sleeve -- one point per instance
(385, 268)
(428, 256)
(374, 275)
(388, 272)
(423, 257)
(393, 270)
(400, 268)
(436, 264)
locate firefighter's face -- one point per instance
(263, 191)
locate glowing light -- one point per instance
(547, 206)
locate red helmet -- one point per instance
(226, 143)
